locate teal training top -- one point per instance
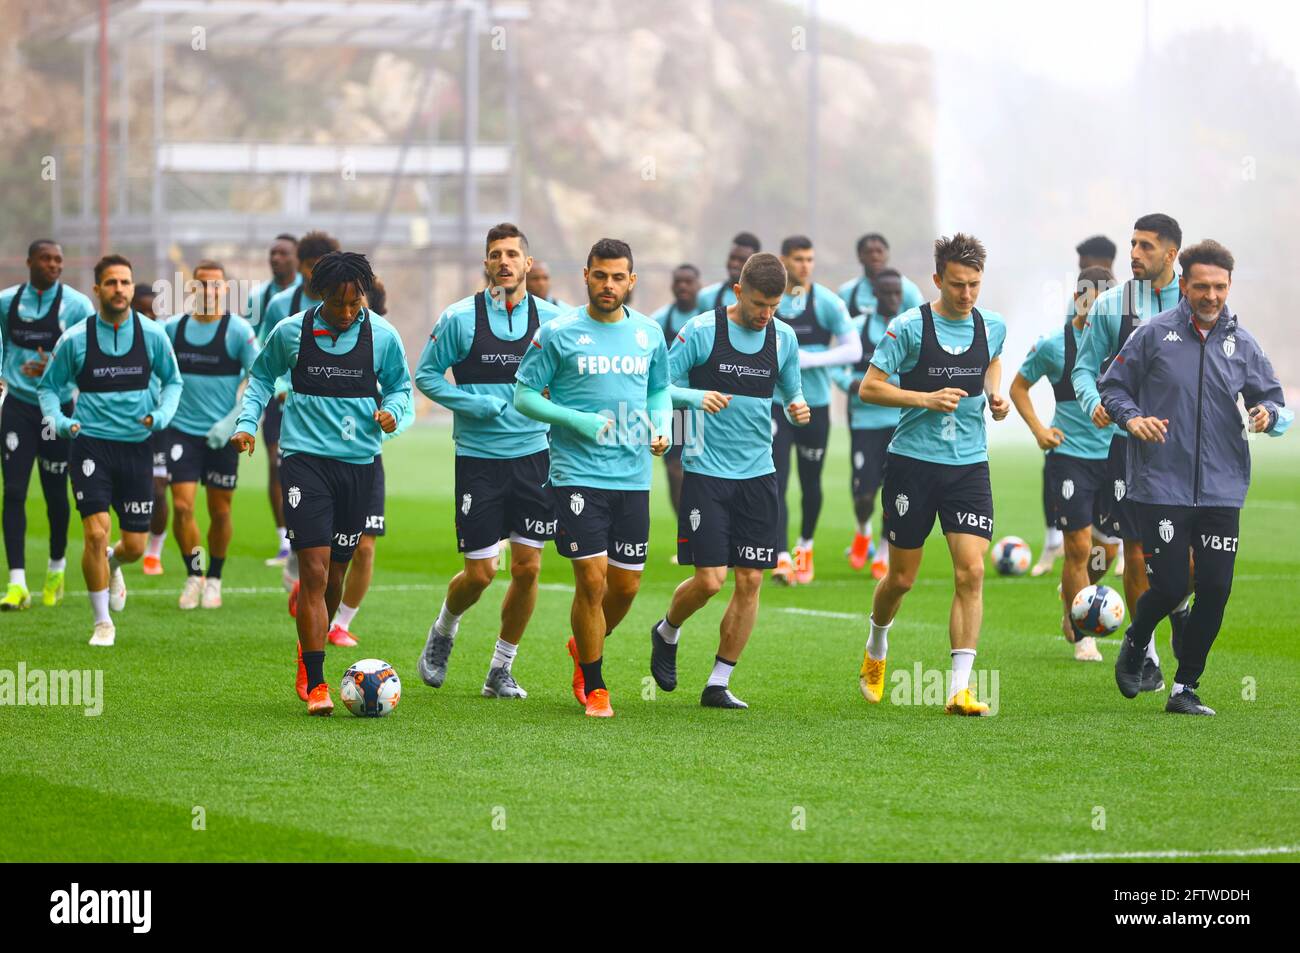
(74, 308)
(959, 438)
(609, 369)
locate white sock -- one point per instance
(154, 546)
(962, 660)
(669, 633)
(878, 640)
(99, 603)
(1053, 539)
(721, 674)
(503, 656)
(283, 533)
(113, 564)
(783, 555)
(882, 549)
(864, 529)
(57, 565)
(1151, 651)
(448, 622)
(1184, 606)
(803, 543)
(18, 577)
(345, 614)
(1178, 688)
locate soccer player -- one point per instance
(342, 358)
(32, 317)
(819, 320)
(1095, 252)
(291, 301)
(947, 357)
(1076, 454)
(1115, 314)
(214, 350)
(743, 245)
(285, 276)
(110, 359)
(142, 303)
(732, 361)
(539, 285)
(502, 461)
(871, 426)
(860, 294)
(672, 317)
(606, 367)
(1175, 387)
(356, 581)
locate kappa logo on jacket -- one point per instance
(1171, 336)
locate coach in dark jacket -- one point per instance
(1175, 386)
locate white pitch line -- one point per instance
(821, 613)
(1172, 854)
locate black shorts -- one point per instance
(500, 498)
(375, 512)
(325, 502)
(867, 450)
(1076, 489)
(918, 490)
(809, 440)
(190, 459)
(159, 445)
(271, 418)
(27, 440)
(723, 522)
(596, 522)
(111, 473)
(1210, 533)
(1118, 513)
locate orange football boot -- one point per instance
(300, 683)
(859, 552)
(152, 565)
(319, 701)
(293, 599)
(803, 565)
(338, 635)
(579, 685)
(598, 704)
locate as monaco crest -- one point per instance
(642, 341)
(1067, 489)
(900, 504)
(1166, 530)
(11, 440)
(466, 502)
(576, 503)
(859, 460)
(87, 466)
(295, 496)
(1229, 345)
(176, 451)
(695, 520)
(1119, 490)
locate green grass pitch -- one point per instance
(201, 724)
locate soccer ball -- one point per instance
(1097, 610)
(370, 688)
(1011, 556)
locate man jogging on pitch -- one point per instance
(1174, 387)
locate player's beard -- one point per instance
(598, 305)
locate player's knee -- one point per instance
(131, 548)
(900, 580)
(969, 575)
(525, 573)
(711, 583)
(479, 573)
(96, 538)
(748, 582)
(183, 509)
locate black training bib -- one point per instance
(42, 333)
(731, 371)
(936, 369)
(322, 374)
(207, 360)
(1064, 388)
(492, 360)
(806, 327)
(103, 373)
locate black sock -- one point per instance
(591, 677)
(315, 664)
(214, 566)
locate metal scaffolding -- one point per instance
(176, 196)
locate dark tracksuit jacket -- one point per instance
(1166, 370)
